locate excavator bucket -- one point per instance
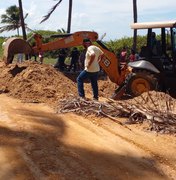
(119, 92)
(14, 46)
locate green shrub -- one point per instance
(1, 49)
(117, 45)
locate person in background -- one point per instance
(61, 59)
(91, 68)
(132, 56)
(20, 58)
(33, 53)
(81, 59)
(74, 59)
(154, 43)
(123, 55)
(41, 57)
(137, 56)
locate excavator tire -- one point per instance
(139, 82)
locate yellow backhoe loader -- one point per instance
(153, 71)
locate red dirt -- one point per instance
(37, 143)
(33, 82)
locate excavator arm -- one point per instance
(69, 40)
(17, 45)
(109, 64)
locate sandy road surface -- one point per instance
(36, 143)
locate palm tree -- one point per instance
(135, 20)
(14, 19)
(11, 19)
(69, 14)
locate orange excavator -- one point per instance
(154, 70)
(110, 64)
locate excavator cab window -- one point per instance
(157, 50)
(154, 42)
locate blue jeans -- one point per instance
(93, 76)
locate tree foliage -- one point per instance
(11, 19)
(117, 45)
(114, 45)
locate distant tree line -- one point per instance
(114, 45)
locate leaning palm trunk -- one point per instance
(22, 19)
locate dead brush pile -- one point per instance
(156, 108)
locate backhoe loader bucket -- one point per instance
(14, 46)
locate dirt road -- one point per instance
(36, 143)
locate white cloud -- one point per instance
(2, 11)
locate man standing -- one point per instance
(91, 68)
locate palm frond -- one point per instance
(26, 15)
(7, 28)
(5, 19)
(50, 12)
(62, 31)
(29, 29)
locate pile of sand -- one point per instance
(33, 82)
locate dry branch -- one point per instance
(159, 114)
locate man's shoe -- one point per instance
(82, 98)
(95, 99)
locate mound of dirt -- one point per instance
(106, 88)
(33, 82)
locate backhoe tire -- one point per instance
(140, 82)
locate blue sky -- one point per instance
(111, 17)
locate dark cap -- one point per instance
(86, 40)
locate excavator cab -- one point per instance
(156, 67)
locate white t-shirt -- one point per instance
(94, 67)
